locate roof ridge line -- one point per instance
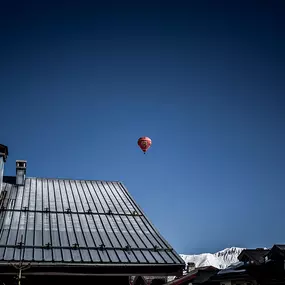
(61, 178)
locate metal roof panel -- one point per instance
(62, 220)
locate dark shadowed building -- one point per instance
(276, 253)
(255, 256)
(256, 267)
(85, 231)
(272, 270)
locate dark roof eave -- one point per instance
(60, 274)
(81, 264)
(95, 269)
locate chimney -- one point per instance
(3, 158)
(190, 266)
(21, 166)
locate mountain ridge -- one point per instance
(220, 259)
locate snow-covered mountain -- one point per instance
(220, 259)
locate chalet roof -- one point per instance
(280, 246)
(236, 271)
(78, 221)
(186, 278)
(238, 275)
(255, 255)
(197, 275)
(277, 250)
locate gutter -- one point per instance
(66, 264)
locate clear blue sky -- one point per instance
(80, 83)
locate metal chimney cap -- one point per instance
(4, 151)
(21, 164)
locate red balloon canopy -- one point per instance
(144, 143)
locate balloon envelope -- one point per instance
(144, 143)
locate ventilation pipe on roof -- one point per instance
(3, 158)
(190, 266)
(21, 166)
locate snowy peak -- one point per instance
(220, 259)
(232, 251)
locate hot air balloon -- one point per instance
(144, 143)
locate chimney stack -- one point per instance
(190, 266)
(3, 158)
(21, 166)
